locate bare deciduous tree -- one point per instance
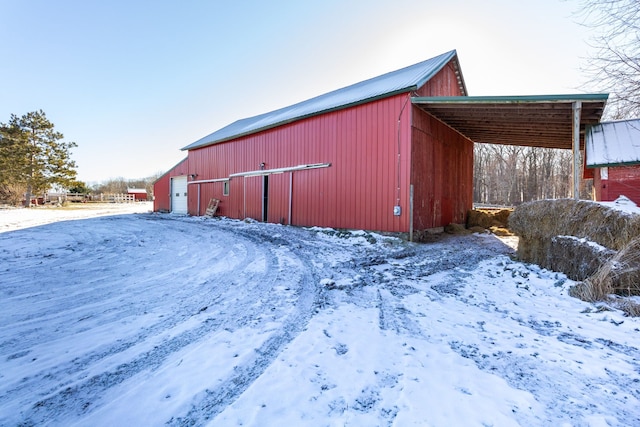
(614, 64)
(509, 175)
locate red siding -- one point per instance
(161, 190)
(622, 181)
(140, 197)
(359, 190)
(445, 83)
(441, 173)
(442, 162)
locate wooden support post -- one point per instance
(411, 213)
(577, 111)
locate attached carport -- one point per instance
(548, 121)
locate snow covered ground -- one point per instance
(152, 319)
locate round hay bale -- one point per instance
(577, 258)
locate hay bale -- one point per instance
(502, 217)
(577, 258)
(620, 275)
(478, 218)
(487, 218)
(544, 219)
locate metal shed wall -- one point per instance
(365, 145)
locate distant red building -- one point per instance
(613, 153)
(140, 194)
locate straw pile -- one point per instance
(586, 241)
(487, 218)
(456, 229)
(479, 220)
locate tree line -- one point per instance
(508, 175)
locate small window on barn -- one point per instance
(225, 188)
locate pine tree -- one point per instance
(33, 155)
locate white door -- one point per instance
(179, 194)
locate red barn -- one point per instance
(613, 152)
(385, 154)
(139, 194)
(359, 157)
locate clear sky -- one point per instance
(133, 81)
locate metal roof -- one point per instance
(404, 80)
(613, 143)
(535, 120)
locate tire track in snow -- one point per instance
(212, 402)
(79, 395)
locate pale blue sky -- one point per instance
(134, 81)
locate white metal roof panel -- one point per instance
(613, 143)
(405, 79)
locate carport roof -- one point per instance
(534, 120)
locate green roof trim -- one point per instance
(613, 165)
(509, 99)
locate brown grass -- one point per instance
(621, 275)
